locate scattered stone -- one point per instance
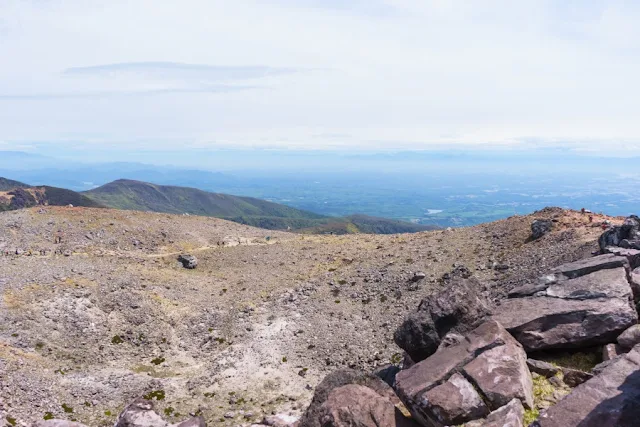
(418, 276)
(608, 399)
(573, 377)
(188, 261)
(140, 413)
(57, 423)
(540, 227)
(545, 369)
(458, 309)
(280, 420)
(630, 338)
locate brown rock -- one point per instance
(340, 378)
(356, 405)
(455, 402)
(609, 283)
(458, 309)
(630, 338)
(502, 375)
(495, 378)
(510, 415)
(545, 369)
(573, 377)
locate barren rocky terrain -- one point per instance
(96, 309)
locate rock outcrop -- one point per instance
(630, 338)
(460, 308)
(489, 358)
(626, 235)
(609, 399)
(188, 261)
(581, 304)
(540, 227)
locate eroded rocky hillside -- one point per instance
(96, 309)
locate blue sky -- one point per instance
(319, 74)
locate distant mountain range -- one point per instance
(142, 196)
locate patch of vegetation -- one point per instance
(67, 409)
(168, 411)
(12, 421)
(158, 361)
(47, 416)
(108, 413)
(156, 394)
(117, 339)
(284, 359)
(396, 359)
(582, 361)
(531, 415)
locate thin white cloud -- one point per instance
(375, 74)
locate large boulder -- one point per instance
(188, 261)
(140, 413)
(626, 235)
(488, 357)
(358, 406)
(586, 266)
(591, 309)
(341, 378)
(540, 227)
(609, 399)
(460, 309)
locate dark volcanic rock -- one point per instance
(589, 265)
(626, 235)
(540, 227)
(573, 377)
(188, 261)
(584, 307)
(356, 405)
(609, 399)
(489, 356)
(458, 309)
(540, 323)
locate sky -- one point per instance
(166, 75)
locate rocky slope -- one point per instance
(96, 309)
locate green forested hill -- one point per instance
(142, 196)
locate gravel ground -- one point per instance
(109, 314)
